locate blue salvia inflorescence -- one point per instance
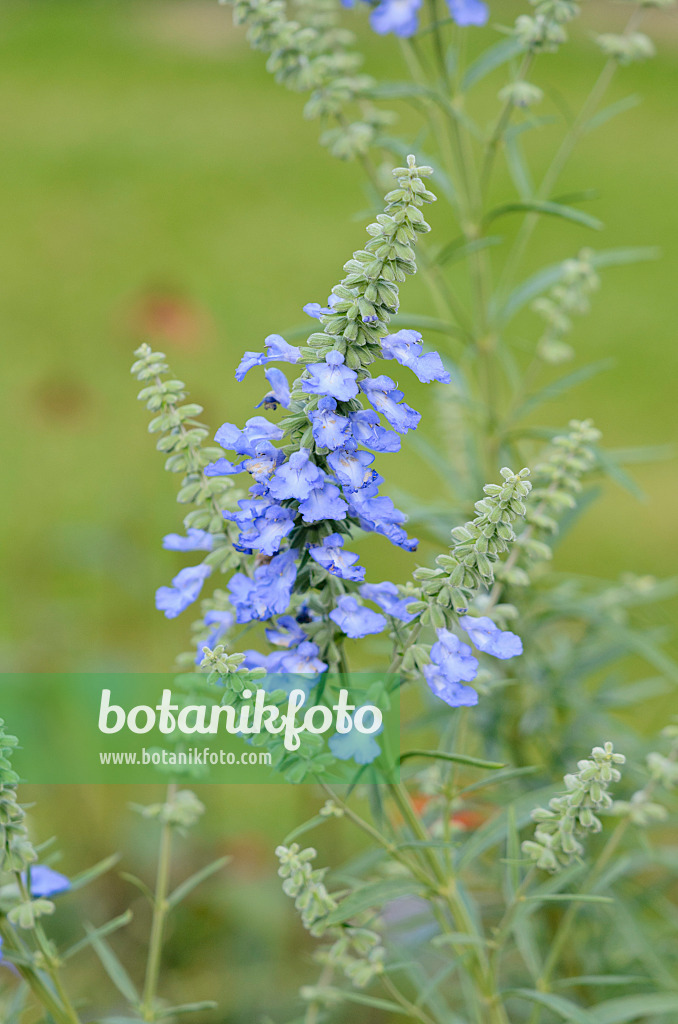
(313, 485)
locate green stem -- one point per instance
(496, 1014)
(563, 155)
(63, 1013)
(160, 910)
(501, 126)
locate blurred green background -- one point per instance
(155, 184)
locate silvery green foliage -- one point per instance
(575, 813)
(16, 850)
(557, 484)
(315, 55)
(571, 295)
(475, 549)
(356, 951)
(182, 439)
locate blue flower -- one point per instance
(279, 351)
(382, 393)
(367, 430)
(244, 442)
(280, 390)
(331, 378)
(453, 658)
(303, 660)
(469, 12)
(330, 429)
(332, 556)
(222, 467)
(355, 620)
(221, 621)
(351, 466)
(455, 694)
(249, 360)
(406, 348)
(288, 633)
(268, 593)
(387, 596)
(487, 637)
(195, 540)
(452, 664)
(324, 502)
(266, 532)
(261, 465)
(316, 311)
(355, 746)
(297, 477)
(378, 514)
(185, 588)
(397, 16)
(45, 882)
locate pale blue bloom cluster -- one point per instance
(312, 484)
(402, 16)
(453, 664)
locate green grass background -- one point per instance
(156, 184)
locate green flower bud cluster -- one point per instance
(16, 849)
(367, 297)
(641, 808)
(521, 94)
(181, 810)
(182, 439)
(354, 950)
(543, 32)
(471, 563)
(628, 48)
(575, 813)
(316, 57)
(305, 885)
(578, 280)
(558, 481)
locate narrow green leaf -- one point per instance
(307, 826)
(182, 890)
(114, 969)
(104, 929)
(85, 877)
(459, 248)
(363, 1000)
(561, 385)
(175, 1011)
(489, 60)
(458, 939)
(512, 873)
(545, 278)
(376, 894)
(426, 323)
(619, 107)
(604, 979)
(631, 1008)
(567, 897)
(517, 166)
(548, 209)
(565, 1009)
(620, 476)
(494, 780)
(443, 755)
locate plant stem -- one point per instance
(62, 1012)
(160, 908)
(564, 153)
